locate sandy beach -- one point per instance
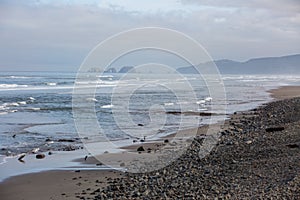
(257, 156)
(285, 92)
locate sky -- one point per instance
(59, 34)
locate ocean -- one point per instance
(36, 109)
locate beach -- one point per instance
(257, 156)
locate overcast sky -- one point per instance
(58, 34)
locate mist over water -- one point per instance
(36, 107)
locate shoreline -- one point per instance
(285, 92)
(12, 188)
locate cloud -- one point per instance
(273, 5)
(43, 33)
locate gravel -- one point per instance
(247, 163)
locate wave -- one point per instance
(8, 107)
(169, 104)
(203, 101)
(34, 108)
(91, 99)
(13, 104)
(12, 86)
(17, 77)
(107, 106)
(36, 88)
(200, 102)
(51, 84)
(98, 82)
(105, 76)
(22, 102)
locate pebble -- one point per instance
(267, 170)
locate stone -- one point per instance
(274, 129)
(141, 148)
(40, 156)
(21, 157)
(292, 146)
(122, 165)
(66, 140)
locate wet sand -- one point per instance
(74, 185)
(60, 184)
(285, 92)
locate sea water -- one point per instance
(36, 107)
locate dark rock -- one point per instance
(292, 146)
(140, 124)
(273, 129)
(166, 141)
(21, 157)
(66, 140)
(98, 190)
(40, 156)
(141, 148)
(69, 148)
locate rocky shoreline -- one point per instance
(257, 157)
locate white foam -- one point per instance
(169, 104)
(208, 99)
(91, 99)
(22, 102)
(107, 106)
(51, 84)
(182, 103)
(105, 76)
(17, 77)
(14, 104)
(35, 150)
(34, 108)
(200, 102)
(3, 113)
(12, 86)
(31, 98)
